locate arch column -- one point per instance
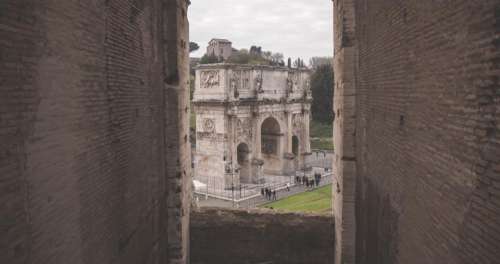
(289, 163)
(257, 168)
(289, 132)
(258, 138)
(306, 142)
(232, 142)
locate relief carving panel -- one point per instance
(258, 83)
(209, 79)
(235, 80)
(244, 129)
(245, 80)
(297, 122)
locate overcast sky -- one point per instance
(296, 28)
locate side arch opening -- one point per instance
(243, 159)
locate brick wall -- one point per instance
(92, 152)
(232, 236)
(427, 130)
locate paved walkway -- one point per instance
(281, 193)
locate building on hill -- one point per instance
(220, 48)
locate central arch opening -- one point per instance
(271, 145)
(270, 135)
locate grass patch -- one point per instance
(317, 201)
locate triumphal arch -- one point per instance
(251, 122)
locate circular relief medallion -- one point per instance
(208, 125)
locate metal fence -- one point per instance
(250, 196)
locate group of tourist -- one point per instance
(269, 194)
(309, 183)
(304, 180)
(317, 178)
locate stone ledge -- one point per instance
(260, 235)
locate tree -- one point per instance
(193, 46)
(256, 56)
(208, 59)
(298, 63)
(267, 55)
(256, 51)
(272, 58)
(322, 91)
(276, 59)
(240, 57)
(315, 62)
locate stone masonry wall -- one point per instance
(427, 130)
(92, 152)
(237, 236)
(344, 108)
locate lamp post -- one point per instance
(304, 172)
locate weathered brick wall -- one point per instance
(427, 130)
(344, 107)
(237, 236)
(176, 129)
(91, 94)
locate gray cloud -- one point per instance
(297, 28)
